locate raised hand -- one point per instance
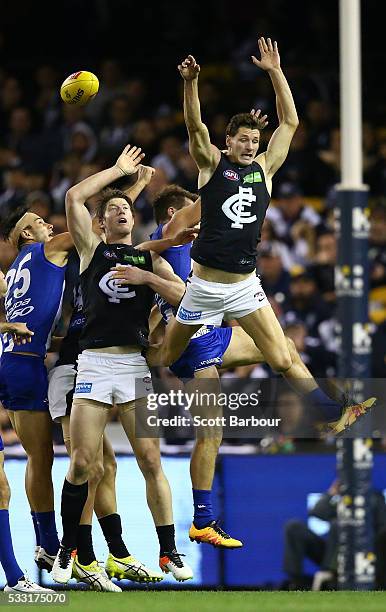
(145, 173)
(189, 69)
(129, 159)
(269, 55)
(261, 121)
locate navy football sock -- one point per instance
(203, 511)
(47, 531)
(11, 568)
(330, 409)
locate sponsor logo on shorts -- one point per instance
(231, 175)
(189, 315)
(208, 362)
(260, 295)
(110, 254)
(83, 387)
(147, 379)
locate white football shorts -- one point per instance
(208, 303)
(112, 379)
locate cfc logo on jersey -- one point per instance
(234, 207)
(116, 292)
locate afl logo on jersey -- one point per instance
(231, 175)
(110, 254)
(115, 291)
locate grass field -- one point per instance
(209, 601)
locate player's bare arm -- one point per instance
(206, 155)
(159, 246)
(78, 218)
(187, 217)
(281, 139)
(162, 280)
(57, 249)
(145, 174)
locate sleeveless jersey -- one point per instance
(115, 314)
(233, 207)
(69, 348)
(179, 259)
(34, 297)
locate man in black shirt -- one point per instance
(235, 190)
(117, 283)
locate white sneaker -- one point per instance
(172, 562)
(62, 567)
(25, 585)
(95, 576)
(43, 560)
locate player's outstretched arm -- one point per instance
(203, 152)
(188, 216)
(78, 218)
(288, 119)
(162, 280)
(159, 246)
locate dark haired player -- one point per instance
(35, 282)
(235, 189)
(111, 368)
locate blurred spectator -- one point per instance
(275, 279)
(323, 266)
(14, 179)
(293, 221)
(11, 96)
(304, 301)
(118, 128)
(320, 361)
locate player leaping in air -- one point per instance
(235, 188)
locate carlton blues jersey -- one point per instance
(233, 207)
(180, 261)
(34, 297)
(116, 314)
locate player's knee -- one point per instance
(81, 463)
(150, 461)
(281, 362)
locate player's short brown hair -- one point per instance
(105, 197)
(242, 120)
(172, 195)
